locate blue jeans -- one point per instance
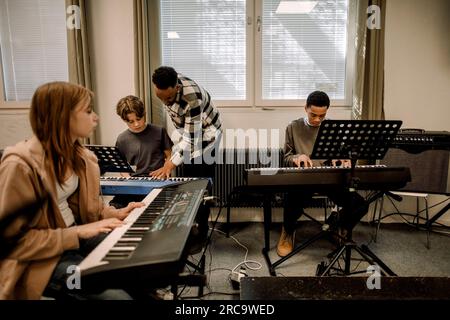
(57, 286)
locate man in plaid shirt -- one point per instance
(193, 114)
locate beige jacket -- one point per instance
(33, 234)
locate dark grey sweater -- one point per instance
(299, 139)
(145, 149)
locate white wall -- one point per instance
(112, 57)
(273, 119)
(14, 126)
(417, 66)
(417, 70)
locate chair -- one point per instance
(429, 175)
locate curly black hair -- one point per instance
(319, 99)
(165, 77)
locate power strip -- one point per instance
(236, 277)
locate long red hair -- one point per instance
(51, 107)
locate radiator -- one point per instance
(229, 173)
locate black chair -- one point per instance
(429, 175)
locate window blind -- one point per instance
(206, 41)
(304, 51)
(33, 43)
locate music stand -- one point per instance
(110, 159)
(354, 140)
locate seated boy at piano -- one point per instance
(51, 214)
(144, 145)
(299, 142)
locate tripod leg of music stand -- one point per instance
(366, 251)
(348, 255)
(228, 223)
(379, 219)
(267, 222)
(339, 253)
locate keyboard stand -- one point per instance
(267, 209)
(188, 279)
(267, 223)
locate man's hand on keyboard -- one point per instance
(341, 163)
(303, 161)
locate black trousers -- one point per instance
(200, 169)
(354, 207)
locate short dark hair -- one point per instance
(318, 98)
(130, 104)
(165, 77)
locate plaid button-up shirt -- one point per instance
(195, 118)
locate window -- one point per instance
(33, 44)
(206, 40)
(261, 52)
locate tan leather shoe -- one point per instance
(285, 244)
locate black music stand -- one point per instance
(354, 140)
(110, 159)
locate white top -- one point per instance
(64, 192)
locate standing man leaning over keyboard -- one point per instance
(299, 142)
(194, 116)
(198, 123)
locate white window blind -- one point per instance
(303, 52)
(261, 52)
(206, 41)
(33, 43)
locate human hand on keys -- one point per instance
(341, 163)
(303, 161)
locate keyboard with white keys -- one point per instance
(151, 245)
(370, 177)
(137, 185)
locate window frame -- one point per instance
(254, 10)
(349, 65)
(5, 105)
